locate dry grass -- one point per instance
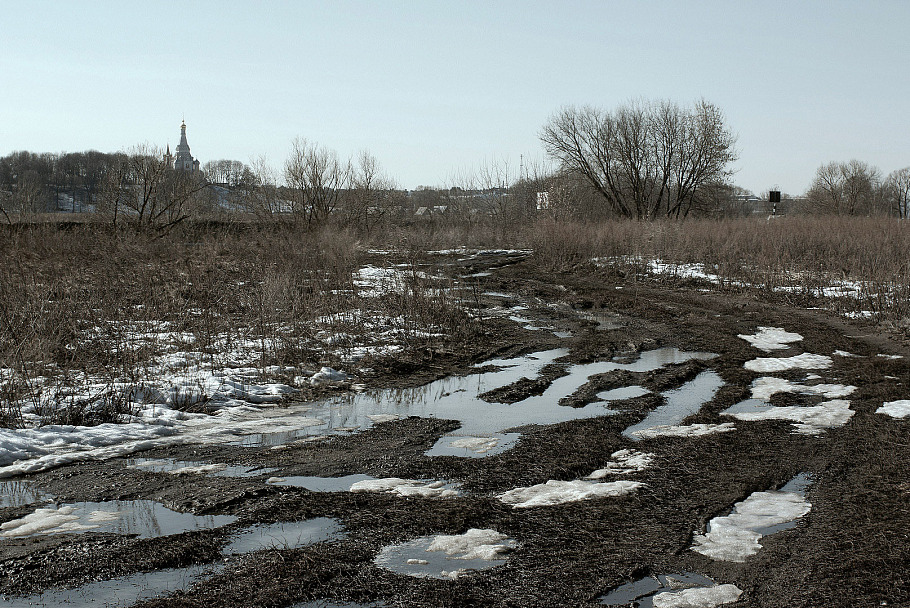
(87, 301)
(809, 259)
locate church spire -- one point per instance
(184, 160)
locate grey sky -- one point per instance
(437, 89)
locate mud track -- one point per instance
(852, 549)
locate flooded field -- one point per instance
(601, 446)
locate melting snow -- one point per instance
(779, 364)
(699, 597)
(763, 388)
(142, 517)
(771, 338)
(556, 492)
(735, 537)
(690, 430)
(623, 463)
(895, 409)
(808, 420)
(405, 487)
(447, 556)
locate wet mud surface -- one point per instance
(851, 549)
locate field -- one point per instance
(690, 414)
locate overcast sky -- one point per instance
(435, 90)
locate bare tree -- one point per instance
(851, 188)
(645, 158)
(146, 192)
(897, 188)
(370, 196)
(314, 176)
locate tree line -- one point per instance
(643, 160)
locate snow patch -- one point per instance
(808, 420)
(447, 556)
(895, 409)
(771, 338)
(623, 463)
(780, 364)
(763, 388)
(405, 487)
(327, 375)
(689, 430)
(735, 537)
(556, 492)
(702, 597)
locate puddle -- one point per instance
(127, 591)
(143, 518)
(456, 398)
(529, 324)
(284, 535)
(681, 403)
(119, 592)
(447, 557)
(474, 447)
(187, 467)
(642, 591)
(20, 494)
(562, 334)
(625, 392)
(319, 484)
(605, 320)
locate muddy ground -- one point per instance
(852, 549)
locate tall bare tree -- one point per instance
(897, 188)
(370, 196)
(314, 177)
(851, 188)
(645, 158)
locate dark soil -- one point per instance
(851, 550)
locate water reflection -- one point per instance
(680, 403)
(143, 518)
(20, 494)
(456, 398)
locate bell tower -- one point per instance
(183, 160)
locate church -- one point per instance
(183, 161)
